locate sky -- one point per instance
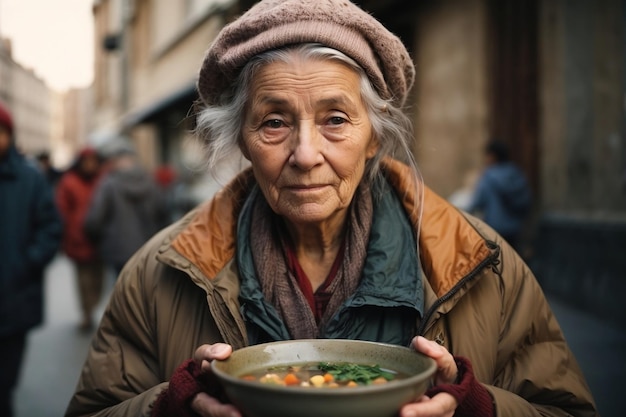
(53, 37)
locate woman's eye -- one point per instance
(274, 123)
(336, 120)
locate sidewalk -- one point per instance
(57, 350)
(599, 347)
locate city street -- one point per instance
(56, 351)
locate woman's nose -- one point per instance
(307, 148)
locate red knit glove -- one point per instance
(187, 381)
(472, 397)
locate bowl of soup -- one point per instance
(324, 378)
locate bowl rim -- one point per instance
(325, 391)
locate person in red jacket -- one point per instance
(73, 196)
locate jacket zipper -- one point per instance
(490, 260)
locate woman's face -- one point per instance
(308, 136)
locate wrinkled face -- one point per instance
(308, 137)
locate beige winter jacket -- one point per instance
(180, 291)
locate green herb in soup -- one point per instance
(323, 375)
(361, 374)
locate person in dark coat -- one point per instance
(73, 197)
(30, 233)
(127, 208)
(502, 195)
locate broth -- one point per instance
(323, 375)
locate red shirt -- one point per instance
(318, 300)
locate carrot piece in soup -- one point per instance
(328, 377)
(291, 379)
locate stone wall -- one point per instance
(583, 157)
(582, 262)
(451, 104)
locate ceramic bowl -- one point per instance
(255, 399)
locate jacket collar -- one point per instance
(450, 248)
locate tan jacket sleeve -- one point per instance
(121, 372)
(536, 374)
(501, 320)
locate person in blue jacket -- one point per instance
(502, 194)
(30, 233)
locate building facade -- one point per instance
(29, 100)
(72, 123)
(148, 53)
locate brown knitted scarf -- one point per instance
(280, 286)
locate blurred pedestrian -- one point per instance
(167, 179)
(165, 176)
(502, 196)
(127, 208)
(30, 232)
(73, 196)
(52, 174)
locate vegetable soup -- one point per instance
(324, 375)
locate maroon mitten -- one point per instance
(187, 381)
(472, 396)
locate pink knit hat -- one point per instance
(338, 24)
(5, 118)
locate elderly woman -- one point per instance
(329, 234)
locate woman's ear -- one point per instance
(372, 147)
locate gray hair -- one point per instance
(219, 126)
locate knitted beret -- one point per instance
(338, 24)
(5, 118)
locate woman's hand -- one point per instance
(202, 403)
(442, 404)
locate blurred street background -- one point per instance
(56, 351)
